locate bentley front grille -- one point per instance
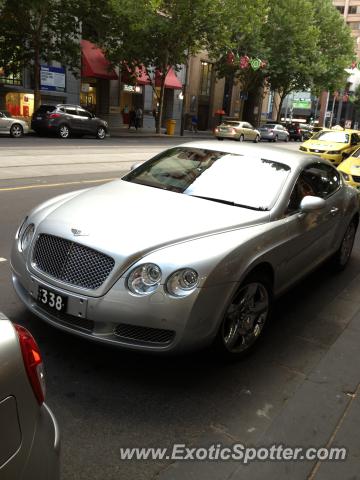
(71, 262)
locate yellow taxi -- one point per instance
(334, 145)
(350, 169)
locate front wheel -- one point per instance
(276, 138)
(219, 138)
(241, 138)
(342, 256)
(16, 130)
(64, 131)
(245, 317)
(287, 138)
(257, 139)
(101, 133)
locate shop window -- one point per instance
(12, 79)
(205, 78)
(20, 104)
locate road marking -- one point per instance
(80, 182)
(2, 259)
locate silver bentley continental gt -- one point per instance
(187, 250)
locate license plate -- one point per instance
(54, 301)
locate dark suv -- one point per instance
(64, 120)
(299, 131)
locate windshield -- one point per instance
(337, 137)
(239, 180)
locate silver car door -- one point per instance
(309, 235)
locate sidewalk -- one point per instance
(151, 133)
(324, 411)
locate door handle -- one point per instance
(334, 211)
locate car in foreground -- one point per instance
(350, 169)
(274, 132)
(30, 441)
(237, 130)
(299, 131)
(66, 120)
(187, 250)
(14, 127)
(332, 145)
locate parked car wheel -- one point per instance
(257, 139)
(342, 256)
(101, 133)
(64, 131)
(287, 138)
(221, 139)
(16, 130)
(241, 138)
(276, 138)
(245, 317)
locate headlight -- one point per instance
(334, 152)
(144, 279)
(26, 237)
(182, 282)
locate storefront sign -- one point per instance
(132, 88)
(52, 78)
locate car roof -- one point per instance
(293, 159)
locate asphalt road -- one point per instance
(105, 398)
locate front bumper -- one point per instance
(157, 322)
(334, 159)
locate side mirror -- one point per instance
(135, 165)
(310, 204)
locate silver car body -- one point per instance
(135, 224)
(30, 442)
(10, 125)
(237, 130)
(274, 132)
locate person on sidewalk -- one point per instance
(194, 123)
(132, 118)
(138, 118)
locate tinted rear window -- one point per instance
(45, 108)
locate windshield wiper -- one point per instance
(229, 202)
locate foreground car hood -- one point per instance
(127, 219)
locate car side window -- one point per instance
(318, 180)
(356, 153)
(71, 110)
(355, 139)
(84, 113)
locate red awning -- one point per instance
(94, 63)
(171, 80)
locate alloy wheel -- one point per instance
(16, 131)
(245, 317)
(347, 244)
(64, 131)
(101, 133)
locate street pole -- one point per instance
(332, 112)
(184, 93)
(326, 108)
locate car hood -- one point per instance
(129, 220)
(318, 144)
(351, 165)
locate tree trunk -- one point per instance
(161, 101)
(37, 95)
(282, 96)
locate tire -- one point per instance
(276, 138)
(241, 138)
(257, 139)
(100, 133)
(245, 317)
(64, 131)
(16, 130)
(342, 256)
(287, 138)
(301, 139)
(220, 139)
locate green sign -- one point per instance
(304, 104)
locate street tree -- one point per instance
(36, 31)
(157, 35)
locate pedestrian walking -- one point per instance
(194, 123)
(138, 118)
(132, 118)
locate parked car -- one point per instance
(333, 145)
(30, 442)
(65, 120)
(350, 169)
(299, 131)
(12, 126)
(237, 130)
(242, 225)
(274, 132)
